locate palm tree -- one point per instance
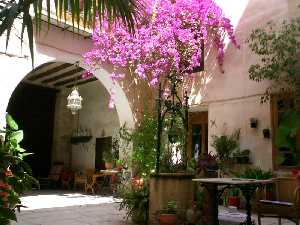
(80, 11)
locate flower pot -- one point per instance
(234, 201)
(295, 171)
(109, 165)
(167, 219)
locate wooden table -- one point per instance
(102, 173)
(247, 187)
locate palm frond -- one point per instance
(79, 12)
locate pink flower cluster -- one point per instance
(167, 39)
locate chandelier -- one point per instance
(74, 101)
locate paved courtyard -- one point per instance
(69, 208)
(73, 208)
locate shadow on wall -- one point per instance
(204, 87)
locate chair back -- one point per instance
(285, 188)
(89, 175)
(297, 196)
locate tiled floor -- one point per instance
(71, 208)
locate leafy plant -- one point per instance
(171, 207)
(234, 192)
(108, 156)
(256, 173)
(15, 174)
(279, 50)
(144, 145)
(135, 200)
(226, 145)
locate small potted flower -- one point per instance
(108, 159)
(168, 216)
(234, 199)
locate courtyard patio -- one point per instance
(74, 208)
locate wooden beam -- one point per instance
(67, 81)
(48, 72)
(63, 75)
(82, 82)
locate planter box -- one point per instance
(166, 187)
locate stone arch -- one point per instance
(24, 67)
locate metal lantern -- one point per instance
(74, 101)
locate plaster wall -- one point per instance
(231, 98)
(95, 115)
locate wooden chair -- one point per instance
(80, 179)
(90, 181)
(286, 205)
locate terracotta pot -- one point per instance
(234, 201)
(295, 171)
(109, 165)
(167, 219)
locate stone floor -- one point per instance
(69, 208)
(73, 208)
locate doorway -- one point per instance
(33, 109)
(102, 144)
(198, 134)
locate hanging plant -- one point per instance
(167, 39)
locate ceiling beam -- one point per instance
(48, 72)
(67, 81)
(62, 75)
(82, 82)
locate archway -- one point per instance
(54, 80)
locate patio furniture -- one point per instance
(247, 186)
(90, 181)
(66, 179)
(286, 205)
(108, 178)
(80, 179)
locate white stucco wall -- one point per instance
(99, 118)
(94, 116)
(231, 98)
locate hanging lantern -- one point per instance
(74, 101)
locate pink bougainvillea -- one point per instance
(167, 39)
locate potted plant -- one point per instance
(135, 199)
(234, 197)
(225, 146)
(168, 216)
(259, 174)
(108, 159)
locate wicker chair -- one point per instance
(281, 208)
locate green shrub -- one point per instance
(15, 174)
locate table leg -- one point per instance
(248, 192)
(212, 190)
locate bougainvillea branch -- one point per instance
(166, 40)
